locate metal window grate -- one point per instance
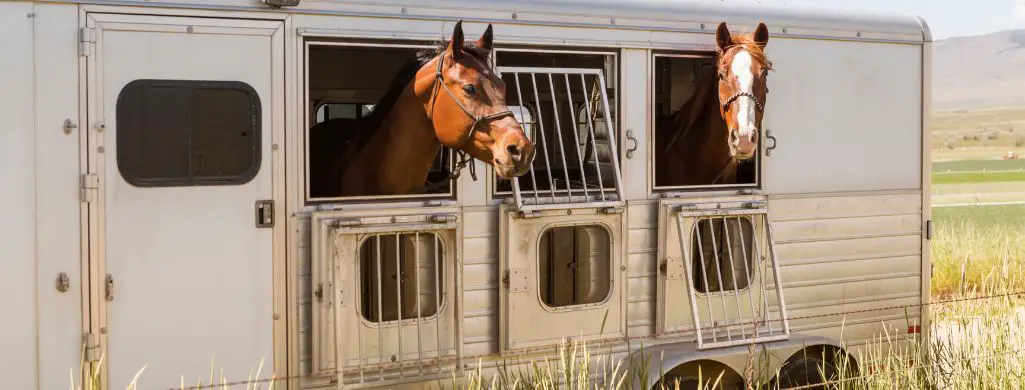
(731, 282)
(577, 158)
(401, 301)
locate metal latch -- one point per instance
(109, 288)
(63, 282)
(612, 210)
(928, 229)
(444, 218)
(264, 213)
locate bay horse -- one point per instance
(446, 96)
(705, 141)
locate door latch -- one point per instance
(109, 288)
(264, 213)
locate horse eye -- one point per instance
(469, 88)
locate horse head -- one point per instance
(742, 70)
(466, 102)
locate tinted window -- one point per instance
(188, 133)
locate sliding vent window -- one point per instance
(188, 133)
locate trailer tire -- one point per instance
(668, 382)
(804, 371)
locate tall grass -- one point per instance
(972, 244)
(975, 343)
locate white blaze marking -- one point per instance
(741, 67)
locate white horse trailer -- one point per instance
(136, 236)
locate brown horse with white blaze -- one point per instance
(449, 97)
(704, 141)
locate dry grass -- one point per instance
(976, 344)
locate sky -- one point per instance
(946, 18)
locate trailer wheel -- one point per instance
(668, 382)
(805, 371)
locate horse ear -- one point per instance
(455, 46)
(762, 35)
(485, 42)
(722, 37)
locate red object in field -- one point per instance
(1011, 156)
(914, 329)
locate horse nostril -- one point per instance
(514, 150)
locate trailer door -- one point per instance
(181, 113)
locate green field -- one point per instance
(978, 165)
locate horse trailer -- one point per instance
(786, 218)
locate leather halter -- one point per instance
(464, 158)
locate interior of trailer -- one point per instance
(347, 82)
(676, 78)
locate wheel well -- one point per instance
(831, 354)
(710, 372)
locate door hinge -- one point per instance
(928, 229)
(264, 213)
(86, 40)
(530, 214)
(90, 187)
(92, 347)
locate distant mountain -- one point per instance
(979, 71)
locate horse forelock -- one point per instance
(747, 43)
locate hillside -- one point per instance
(979, 71)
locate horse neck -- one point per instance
(703, 150)
(400, 153)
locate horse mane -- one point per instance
(405, 75)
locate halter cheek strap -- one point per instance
(464, 158)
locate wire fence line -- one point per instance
(535, 350)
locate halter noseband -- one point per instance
(464, 158)
(758, 104)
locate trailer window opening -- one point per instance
(676, 80)
(173, 133)
(570, 132)
(723, 254)
(346, 82)
(400, 276)
(574, 265)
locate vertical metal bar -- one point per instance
(775, 272)
(544, 144)
(733, 275)
(718, 274)
(761, 276)
(594, 144)
(576, 138)
(704, 273)
(437, 297)
(419, 310)
(747, 271)
(359, 308)
(380, 308)
(687, 256)
(398, 292)
(533, 179)
(562, 148)
(613, 141)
